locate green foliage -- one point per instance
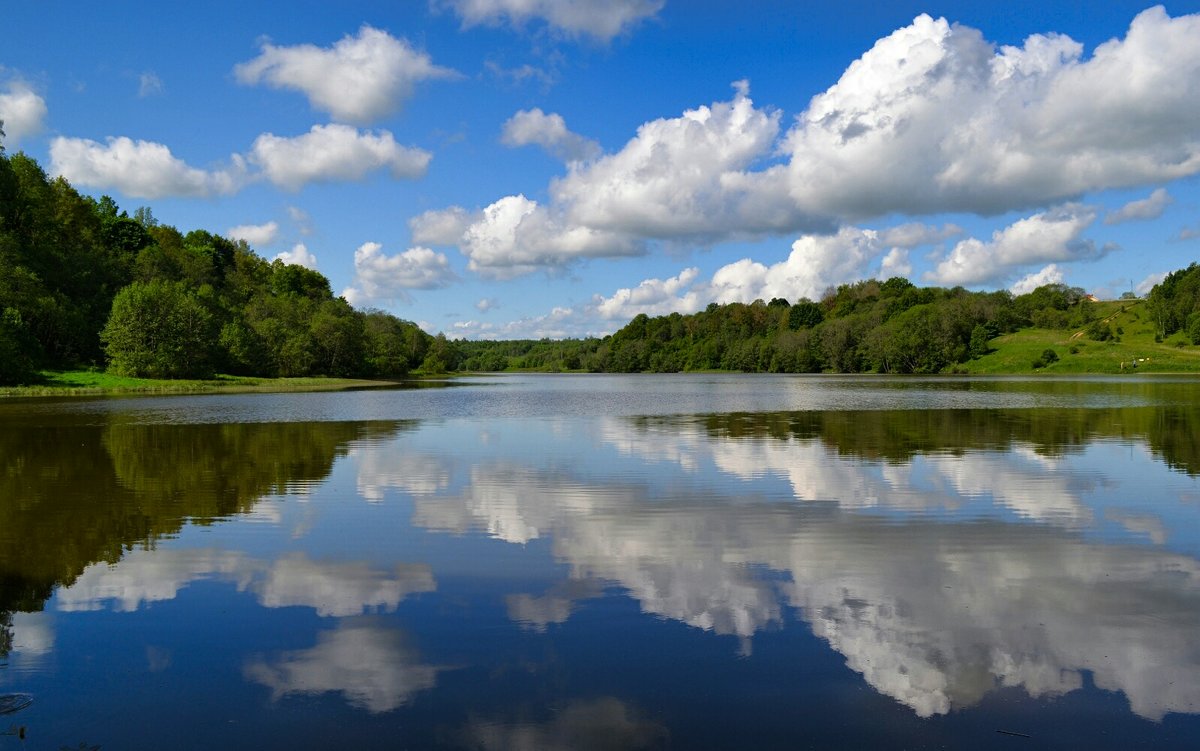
(867, 326)
(58, 270)
(159, 330)
(17, 349)
(1048, 357)
(1049, 318)
(978, 346)
(1193, 327)
(804, 315)
(1099, 332)
(443, 356)
(201, 302)
(530, 354)
(923, 339)
(1173, 300)
(392, 347)
(338, 334)
(292, 279)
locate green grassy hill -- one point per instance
(1133, 340)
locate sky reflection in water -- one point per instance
(766, 579)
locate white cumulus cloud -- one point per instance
(140, 169)
(1051, 274)
(934, 118)
(895, 263)
(440, 226)
(600, 19)
(255, 235)
(1150, 207)
(299, 255)
(378, 276)
(360, 79)
(516, 235)
(334, 152)
(816, 263)
(1053, 235)
(23, 112)
(550, 132)
(685, 177)
(654, 297)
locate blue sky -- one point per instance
(528, 168)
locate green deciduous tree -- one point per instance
(159, 329)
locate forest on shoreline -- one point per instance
(84, 285)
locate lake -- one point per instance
(606, 562)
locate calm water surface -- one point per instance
(597, 562)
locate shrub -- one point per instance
(1099, 332)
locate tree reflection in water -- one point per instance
(77, 492)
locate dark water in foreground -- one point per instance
(607, 563)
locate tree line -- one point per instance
(891, 326)
(82, 284)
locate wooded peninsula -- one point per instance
(86, 286)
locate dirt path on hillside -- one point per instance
(1107, 319)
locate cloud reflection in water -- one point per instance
(933, 611)
(331, 588)
(372, 665)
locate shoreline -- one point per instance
(156, 387)
(237, 385)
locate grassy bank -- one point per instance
(94, 383)
(1133, 341)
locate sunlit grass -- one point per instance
(92, 382)
(1016, 353)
